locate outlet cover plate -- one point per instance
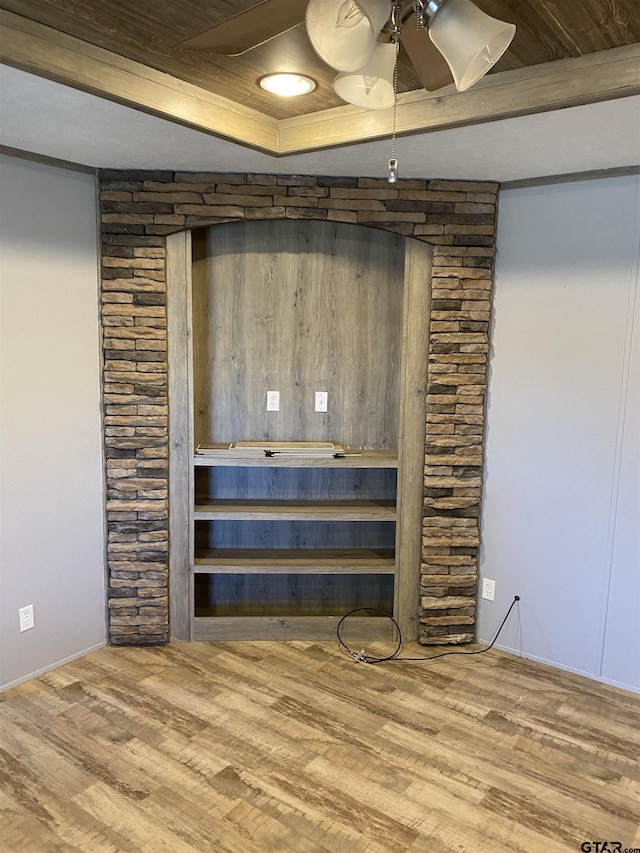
(322, 400)
(27, 618)
(273, 401)
(488, 589)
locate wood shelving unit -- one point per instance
(254, 520)
(281, 547)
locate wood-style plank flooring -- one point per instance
(294, 748)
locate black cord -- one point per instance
(361, 657)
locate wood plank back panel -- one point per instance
(294, 534)
(297, 307)
(291, 483)
(290, 595)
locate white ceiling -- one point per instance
(45, 118)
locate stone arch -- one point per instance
(138, 210)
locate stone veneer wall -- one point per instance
(138, 209)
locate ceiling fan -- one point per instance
(446, 40)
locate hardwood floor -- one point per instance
(294, 748)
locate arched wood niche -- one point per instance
(281, 549)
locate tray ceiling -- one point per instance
(565, 53)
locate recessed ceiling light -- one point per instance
(287, 85)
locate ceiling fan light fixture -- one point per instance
(287, 85)
(344, 32)
(371, 86)
(470, 41)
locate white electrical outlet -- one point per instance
(27, 618)
(488, 589)
(273, 401)
(322, 400)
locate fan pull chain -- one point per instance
(393, 163)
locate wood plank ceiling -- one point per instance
(150, 33)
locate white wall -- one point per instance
(561, 514)
(51, 489)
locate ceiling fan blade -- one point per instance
(430, 65)
(248, 29)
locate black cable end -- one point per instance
(516, 598)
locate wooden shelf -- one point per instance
(307, 561)
(229, 628)
(247, 510)
(368, 459)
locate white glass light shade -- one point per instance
(344, 32)
(469, 40)
(370, 87)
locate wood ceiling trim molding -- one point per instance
(44, 51)
(601, 76)
(49, 53)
